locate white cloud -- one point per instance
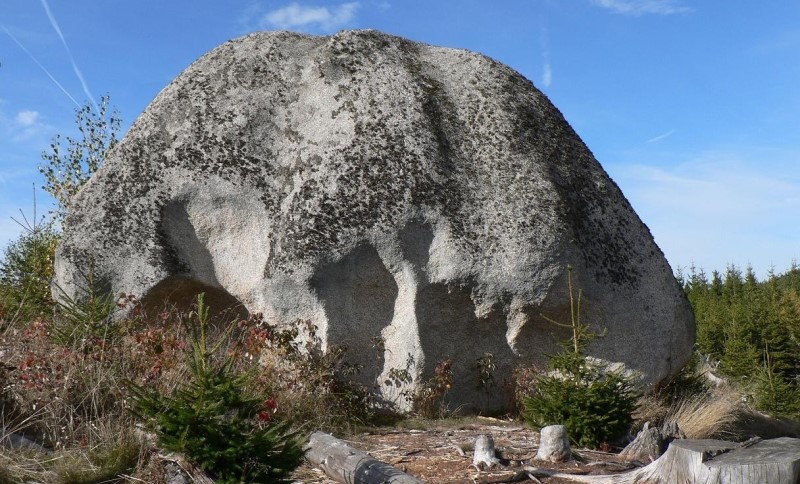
(305, 17)
(719, 209)
(27, 118)
(28, 126)
(643, 7)
(547, 75)
(25, 126)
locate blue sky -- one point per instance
(692, 107)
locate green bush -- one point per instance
(211, 419)
(25, 273)
(596, 404)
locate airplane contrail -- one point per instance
(661, 136)
(41, 66)
(78, 73)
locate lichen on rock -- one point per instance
(428, 197)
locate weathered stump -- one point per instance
(484, 456)
(349, 465)
(554, 444)
(775, 461)
(646, 447)
(178, 470)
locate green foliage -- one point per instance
(68, 167)
(215, 422)
(752, 328)
(86, 316)
(595, 403)
(25, 273)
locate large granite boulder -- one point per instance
(416, 203)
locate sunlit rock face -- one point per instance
(416, 203)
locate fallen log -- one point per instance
(349, 465)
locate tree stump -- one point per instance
(349, 465)
(484, 456)
(554, 444)
(646, 447)
(775, 461)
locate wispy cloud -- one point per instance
(719, 208)
(311, 18)
(27, 125)
(643, 7)
(75, 68)
(547, 68)
(43, 68)
(547, 75)
(655, 139)
(27, 118)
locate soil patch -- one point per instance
(442, 453)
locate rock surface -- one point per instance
(416, 203)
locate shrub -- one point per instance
(428, 400)
(596, 406)
(594, 402)
(309, 385)
(25, 273)
(712, 414)
(215, 422)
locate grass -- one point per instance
(72, 394)
(714, 414)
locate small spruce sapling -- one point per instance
(594, 403)
(211, 419)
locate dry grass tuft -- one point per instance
(714, 414)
